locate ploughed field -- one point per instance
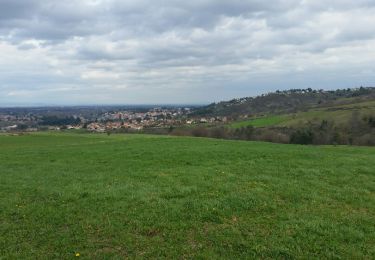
(126, 196)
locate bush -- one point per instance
(218, 132)
(180, 132)
(243, 133)
(271, 135)
(200, 132)
(302, 136)
(367, 139)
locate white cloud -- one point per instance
(197, 51)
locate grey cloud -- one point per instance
(157, 46)
(51, 20)
(13, 9)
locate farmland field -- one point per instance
(140, 196)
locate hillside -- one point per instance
(340, 113)
(294, 116)
(289, 101)
(142, 196)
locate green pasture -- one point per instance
(139, 196)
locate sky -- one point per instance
(170, 52)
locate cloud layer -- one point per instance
(197, 51)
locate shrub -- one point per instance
(271, 135)
(218, 132)
(243, 133)
(200, 132)
(367, 139)
(302, 136)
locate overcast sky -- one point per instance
(165, 51)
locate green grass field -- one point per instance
(138, 196)
(262, 121)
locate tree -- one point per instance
(21, 127)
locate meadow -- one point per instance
(262, 121)
(141, 196)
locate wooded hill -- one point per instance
(303, 116)
(288, 101)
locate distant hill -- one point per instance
(288, 101)
(303, 116)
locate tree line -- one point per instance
(360, 130)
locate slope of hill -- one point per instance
(295, 116)
(140, 196)
(289, 101)
(340, 113)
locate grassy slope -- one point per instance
(339, 113)
(261, 122)
(128, 195)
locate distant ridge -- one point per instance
(287, 101)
